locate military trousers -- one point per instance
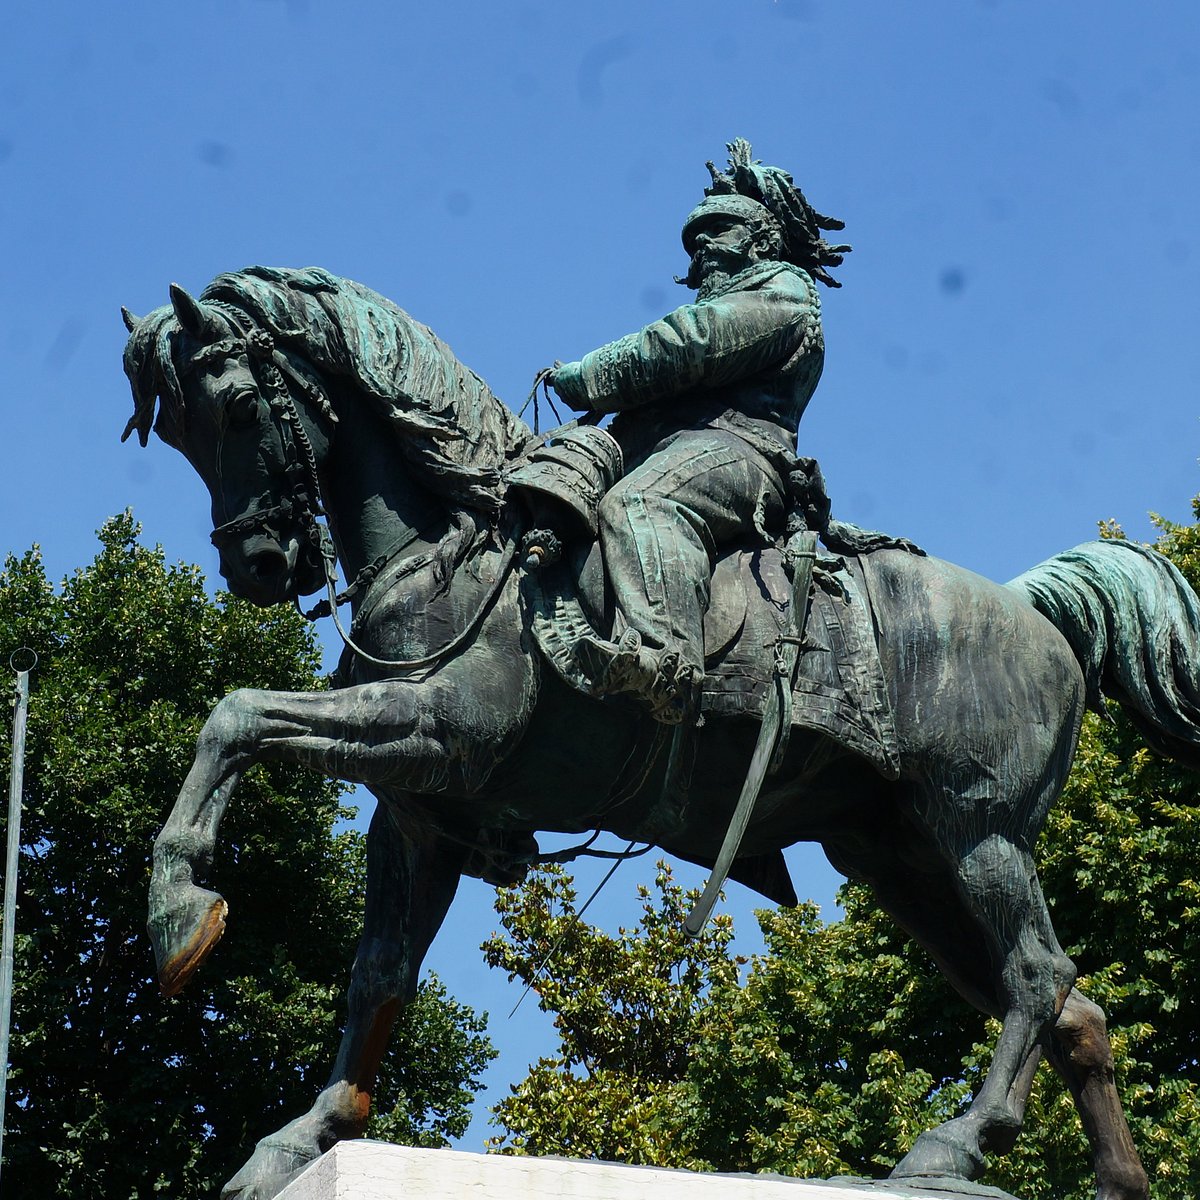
(662, 525)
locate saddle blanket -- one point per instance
(839, 690)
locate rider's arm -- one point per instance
(703, 345)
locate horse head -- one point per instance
(244, 380)
(253, 420)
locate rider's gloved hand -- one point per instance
(546, 378)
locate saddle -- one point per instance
(838, 687)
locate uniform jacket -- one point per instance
(746, 359)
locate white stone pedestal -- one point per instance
(376, 1171)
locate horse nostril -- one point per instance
(265, 565)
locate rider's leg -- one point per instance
(660, 528)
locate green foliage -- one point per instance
(809, 1045)
(831, 1052)
(625, 1010)
(115, 1092)
(667, 1058)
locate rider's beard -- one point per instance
(711, 269)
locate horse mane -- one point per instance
(449, 425)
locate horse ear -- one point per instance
(131, 322)
(189, 313)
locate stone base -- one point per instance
(377, 1171)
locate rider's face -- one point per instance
(724, 237)
(723, 245)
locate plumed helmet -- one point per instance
(767, 198)
(734, 204)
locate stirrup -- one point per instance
(612, 668)
(676, 693)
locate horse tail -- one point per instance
(1133, 623)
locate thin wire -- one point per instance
(562, 937)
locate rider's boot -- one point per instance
(668, 687)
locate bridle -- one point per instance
(302, 507)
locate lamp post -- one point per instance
(22, 662)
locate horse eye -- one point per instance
(242, 410)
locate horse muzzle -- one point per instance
(267, 569)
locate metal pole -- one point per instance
(16, 781)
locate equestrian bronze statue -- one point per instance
(586, 631)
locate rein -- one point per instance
(329, 558)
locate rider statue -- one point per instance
(708, 400)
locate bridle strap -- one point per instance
(261, 518)
(303, 506)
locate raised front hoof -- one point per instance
(272, 1166)
(183, 932)
(941, 1153)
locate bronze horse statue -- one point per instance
(295, 393)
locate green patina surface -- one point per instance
(297, 396)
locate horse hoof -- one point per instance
(184, 931)
(939, 1154)
(272, 1166)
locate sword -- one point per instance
(772, 733)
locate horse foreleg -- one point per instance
(1079, 1050)
(380, 733)
(186, 921)
(409, 889)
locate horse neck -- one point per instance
(374, 503)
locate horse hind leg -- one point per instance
(970, 916)
(1032, 978)
(1079, 1050)
(944, 916)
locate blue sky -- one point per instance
(1010, 360)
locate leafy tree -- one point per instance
(115, 1092)
(668, 1058)
(834, 1049)
(625, 1010)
